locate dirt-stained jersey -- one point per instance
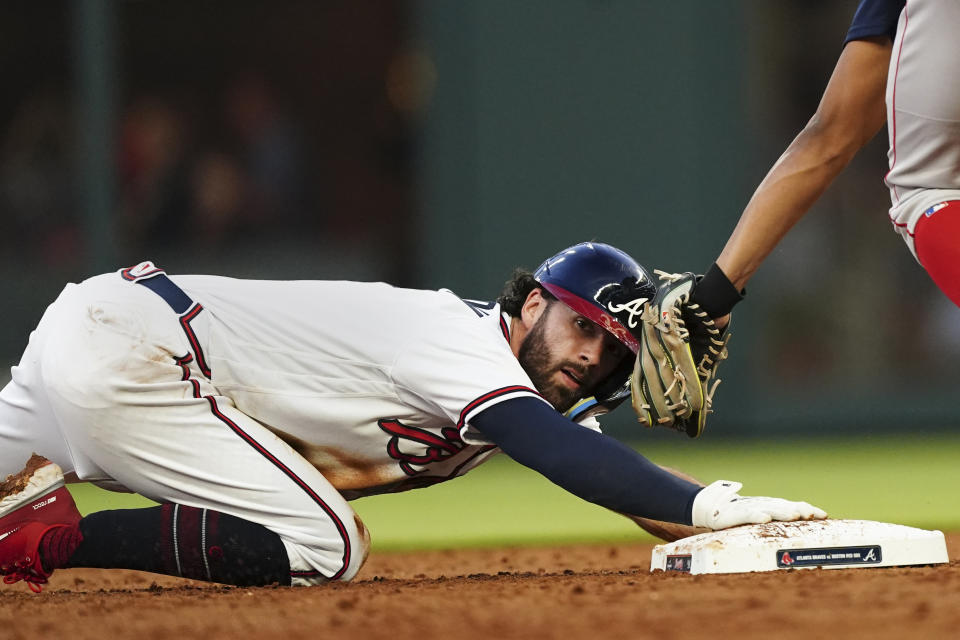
(374, 385)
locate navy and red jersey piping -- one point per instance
(185, 321)
(505, 327)
(493, 395)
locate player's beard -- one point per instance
(537, 360)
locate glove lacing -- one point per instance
(678, 379)
(676, 325)
(716, 346)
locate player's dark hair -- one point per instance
(516, 290)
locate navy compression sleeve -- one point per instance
(588, 464)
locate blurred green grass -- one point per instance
(905, 479)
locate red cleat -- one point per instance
(32, 503)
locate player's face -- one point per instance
(566, 355)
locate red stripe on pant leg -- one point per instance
(937, 240)
(341, 529)
(185, 321)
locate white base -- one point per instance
(827, 544)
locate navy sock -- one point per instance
(183, 541)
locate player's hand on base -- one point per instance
(719, 506)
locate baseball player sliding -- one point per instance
(253, 411)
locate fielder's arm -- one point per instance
(851, 112)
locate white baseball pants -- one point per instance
(112, 387)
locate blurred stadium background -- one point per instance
(439, 144)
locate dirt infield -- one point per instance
(567, 592)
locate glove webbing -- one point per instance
(715, 346)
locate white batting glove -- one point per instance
(719, 506)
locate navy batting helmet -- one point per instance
(602, 283)
(607, 286)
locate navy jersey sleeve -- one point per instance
(875, 18)
(586, 463)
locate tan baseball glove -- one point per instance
(673, 380)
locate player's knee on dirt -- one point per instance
(316, 563)
(363, 536)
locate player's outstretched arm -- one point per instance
(586, 463)
(606, 472)
(851, 112)
(669, 531)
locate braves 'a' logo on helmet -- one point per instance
(634, 309)
(627, 298)
(602, 283)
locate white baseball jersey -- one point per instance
(923, 112)
(374, 385)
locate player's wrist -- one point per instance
(716, 294)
